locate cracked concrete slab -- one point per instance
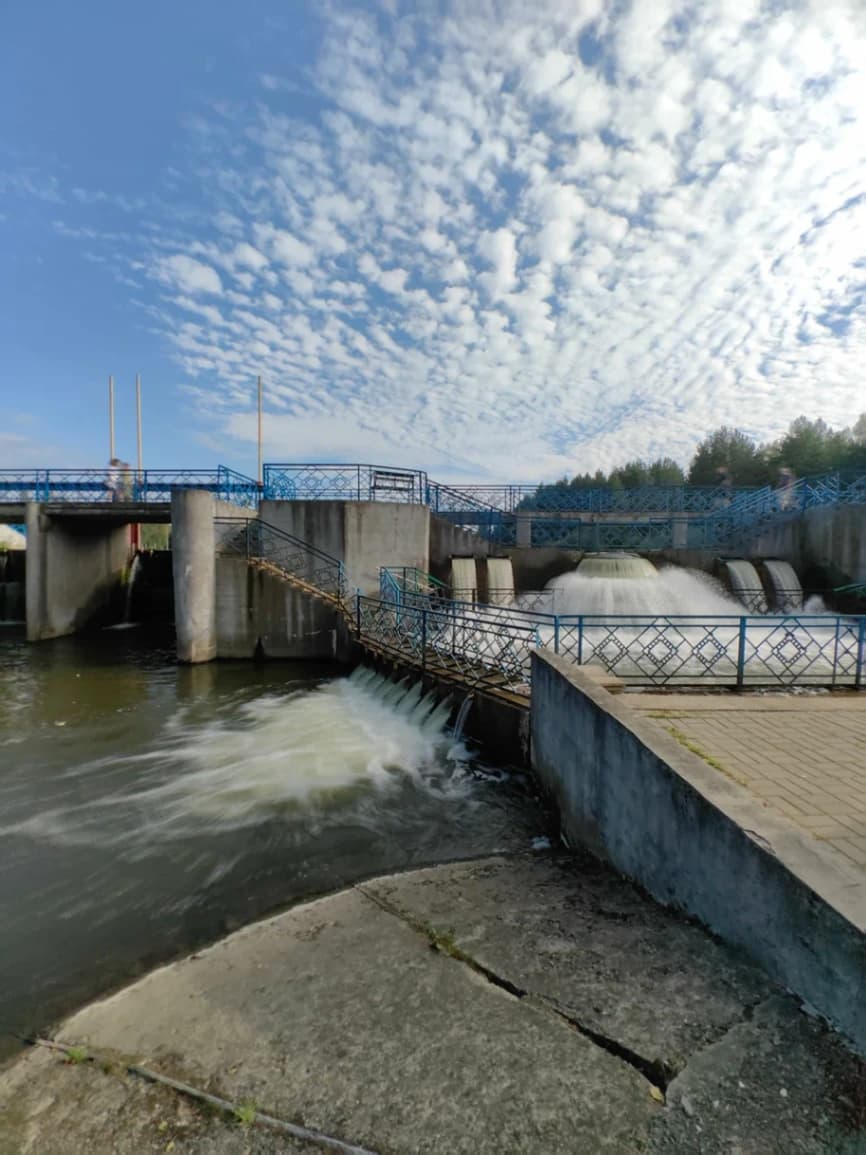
(573, 932)
(375, 1026)
(775, 1082)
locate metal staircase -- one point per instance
(296, 562)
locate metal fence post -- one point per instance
(358, 613)
(741, 654)
(556, 634)
(423, 641)
(861, 655)
(580, 640)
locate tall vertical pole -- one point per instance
(111, 453)
(138, 419)
(261, 467)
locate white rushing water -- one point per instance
(653, 626)
(787, 591)
(746, 585)
(275, 755)
(632, 586)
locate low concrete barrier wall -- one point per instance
(697, 841)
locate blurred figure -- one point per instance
(787, 481)
(125, 481)
(112, 479)
(725, 484)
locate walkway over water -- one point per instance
(647, 518)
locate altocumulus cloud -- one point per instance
(520, 239)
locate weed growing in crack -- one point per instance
(245, 1114)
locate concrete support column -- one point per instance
(34, 580)
(193, 545)
(523, 531)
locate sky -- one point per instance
(495, 240)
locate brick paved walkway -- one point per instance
(803, 756)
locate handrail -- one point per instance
(262, 543)
(104, 486)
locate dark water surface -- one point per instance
(146, 809)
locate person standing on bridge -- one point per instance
(112, 481)
(126, 481)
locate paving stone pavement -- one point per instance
(803, 756)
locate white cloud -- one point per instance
(524, 239)
(188, 275)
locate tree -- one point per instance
(666, 471)
(809, 448)
(731, 449)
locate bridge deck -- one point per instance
(105, 512)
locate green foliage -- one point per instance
(731, 450)
(76, 1055)
(245, 1114)
(155, 536)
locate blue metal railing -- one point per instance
(664, 650)
(98, 486)
(696, 516)
(339, 482)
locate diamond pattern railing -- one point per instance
(750, 650)
(754, 650)
(323, 482)
(99, 486)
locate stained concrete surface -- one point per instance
(506, 1005)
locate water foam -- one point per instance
(671, 590)
(278, 755)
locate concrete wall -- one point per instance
(258, 615)
(697, 841)
(836, 535)
(364, 535)
(533, 568)
(74, 566)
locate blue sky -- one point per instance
(506, 240)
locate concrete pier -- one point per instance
(73, 564)
(194, 568)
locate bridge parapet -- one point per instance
(107, 486)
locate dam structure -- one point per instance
(322, 558)
(613, 645)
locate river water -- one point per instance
(146, 809)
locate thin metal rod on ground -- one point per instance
(233, 1109)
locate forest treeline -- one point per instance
(730, 456)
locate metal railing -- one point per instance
(453, 643)
(261, 543)
(97, 486)
(751, 650)
(336, 482)
(664, 650)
